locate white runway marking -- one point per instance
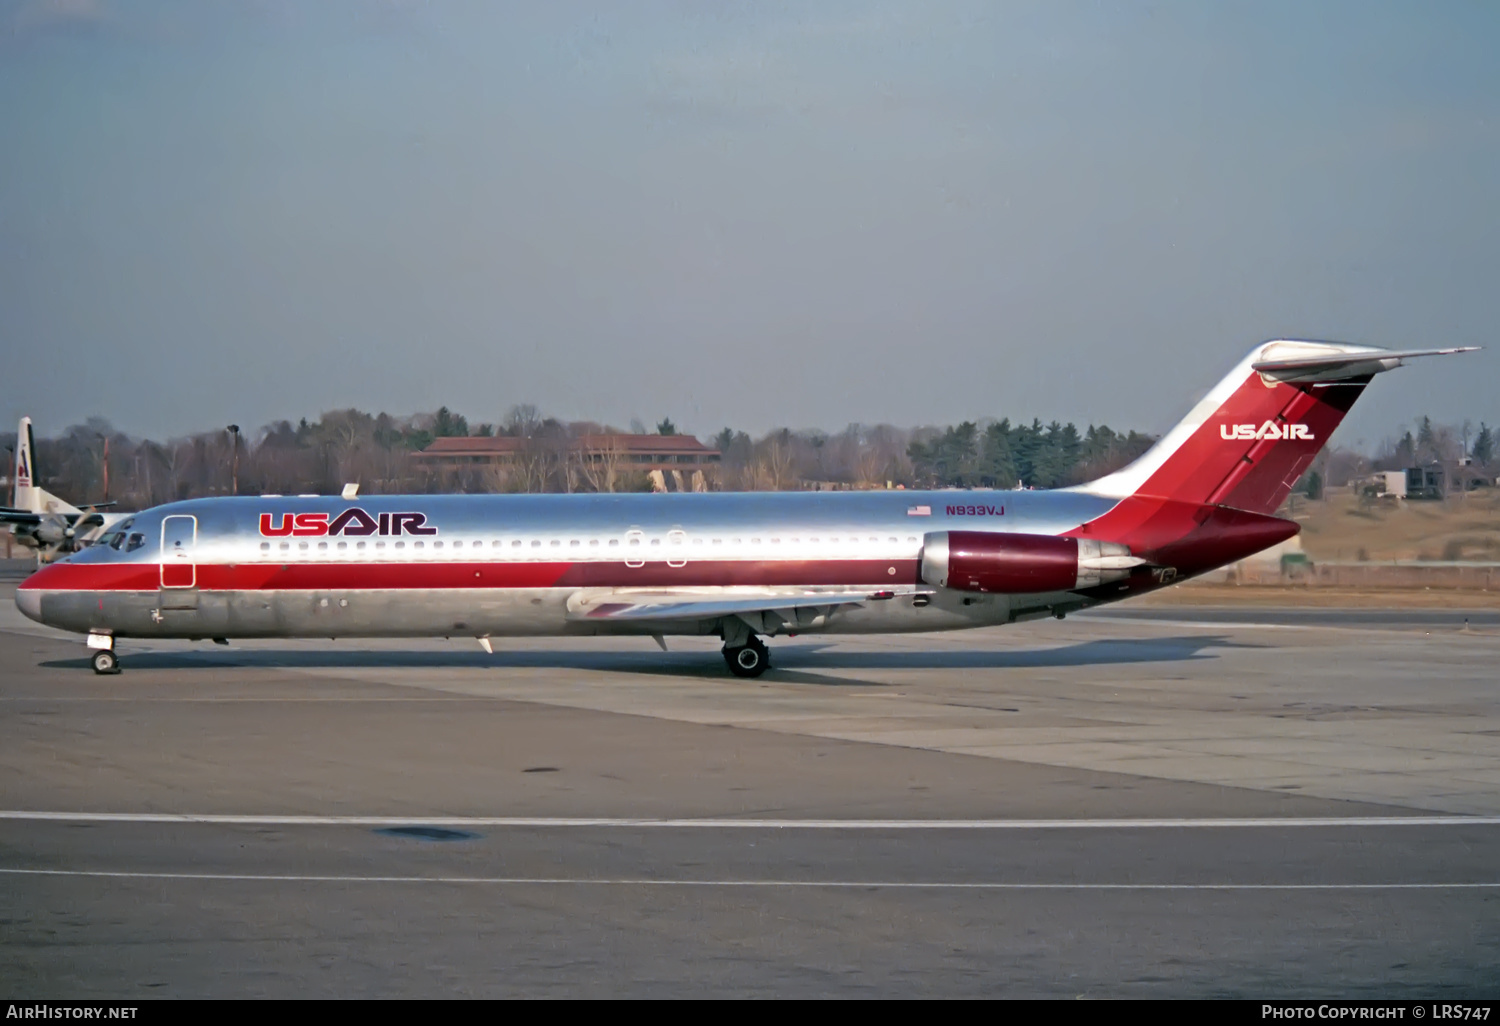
(751, 824)
(910, 885)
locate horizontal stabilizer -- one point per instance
(1292, 361)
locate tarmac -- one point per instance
(1143, 802)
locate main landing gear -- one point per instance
(748, 660)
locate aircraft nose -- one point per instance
(29, 601)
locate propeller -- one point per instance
(59, 536)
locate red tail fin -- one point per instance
(1255, 434)
(1241, 449)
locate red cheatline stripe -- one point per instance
(378, 576)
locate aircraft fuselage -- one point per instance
(497, 565)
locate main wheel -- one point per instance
(750, 660)
(105, 662)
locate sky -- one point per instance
(748, 214)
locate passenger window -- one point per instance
(302, 545)
(323, 546)
(495, 544)
(343, 545)
(136, 541)
(436, 545)
(556, 543)
(265, 546)
(516, 544)
(574, 543)
(285, 546)
(655, 541)
(359, 545)
(614, 542)
(536, 544)
(417, 545)
(593, 543)
(380, 545)
(402, 544)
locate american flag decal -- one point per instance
(919, 511)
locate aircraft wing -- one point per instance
(702, 604)
(10, 515)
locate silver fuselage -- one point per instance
(497, 565)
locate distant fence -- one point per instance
(1446, 575)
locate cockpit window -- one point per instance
(114, 540)
(135, 542)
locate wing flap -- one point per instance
(671, 604)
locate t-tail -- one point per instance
(1203, 495)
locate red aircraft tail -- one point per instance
(1243, 447)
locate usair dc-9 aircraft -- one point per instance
(739, 566)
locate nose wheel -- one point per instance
(105, 662)
(748, 660)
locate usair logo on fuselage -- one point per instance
(353, 522)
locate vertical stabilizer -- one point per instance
(1250, 439)
(22, 489)
(1204, 495)
(28, 495)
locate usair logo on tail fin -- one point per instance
(1270, 429)
(23, 469)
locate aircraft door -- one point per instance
(179, 538)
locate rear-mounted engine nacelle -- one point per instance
(1017, 564)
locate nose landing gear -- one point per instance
(103, 659)
(748, 660)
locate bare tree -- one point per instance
(600, 458)
(522, 421)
